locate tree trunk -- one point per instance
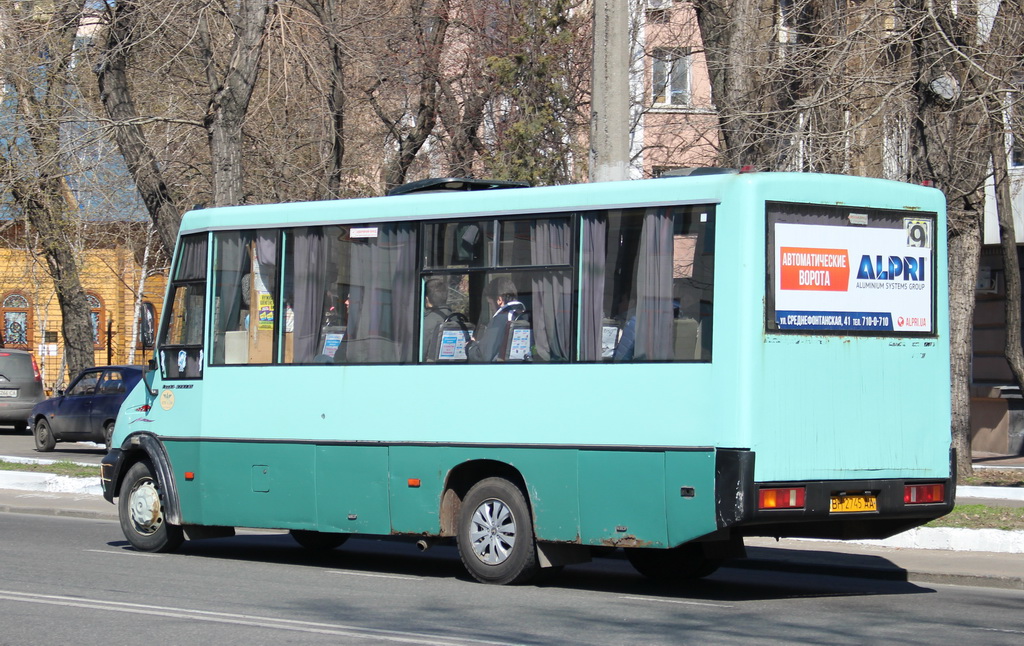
(1011, 265)
(430, 33)
(230, 95)
(117, 101)
(964, 258)
(48, 214)
(35, 161)
(733, 33)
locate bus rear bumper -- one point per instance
(835, 509)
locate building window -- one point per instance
(671, 76)
(96, 313)
(17, 319)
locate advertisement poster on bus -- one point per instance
(857, 279)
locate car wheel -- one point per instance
(141, 511)
(318, 541)
(495, 534)
(685, 562)
(44, 436)
(108, 434)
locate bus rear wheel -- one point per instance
(679, 563)
(318, 541)
(141, 512)
(495, 534)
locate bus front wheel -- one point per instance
(679, 563)
(495, 534)
(141, 511)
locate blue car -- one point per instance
(86, 411)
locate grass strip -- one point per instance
(61, 468)
(982, 517)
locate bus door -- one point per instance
(177, 410)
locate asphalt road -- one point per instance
(22, 445)
(68, 580)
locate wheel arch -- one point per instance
(140, 447)
(462, 478)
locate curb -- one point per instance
(59, 511)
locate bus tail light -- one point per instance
(918, 494)
(781, 498)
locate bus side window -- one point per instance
(352, 294)
(181, 347)
(647, 284)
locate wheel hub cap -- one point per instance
(145, 508)
(493, 532)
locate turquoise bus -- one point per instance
(546, 374)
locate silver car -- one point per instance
(21, 387)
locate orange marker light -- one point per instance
(190, 476)
(414, 482)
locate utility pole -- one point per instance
(609, 107)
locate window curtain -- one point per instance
(550, 242)
(232, 266)
(310, 260)
(382, 311)
(266, 256)
(654, 288)
(595, 241)
(192, 258)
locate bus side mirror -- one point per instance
(149, 367)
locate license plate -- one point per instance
(8, 392)
(842, 504)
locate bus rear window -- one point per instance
(843, 270)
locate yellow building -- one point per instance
(112, 275)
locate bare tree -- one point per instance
(812, 85)
(1003, 61)
(950, 147)
(230, 84)
(112, 76)
(39, 59)
(416, 51)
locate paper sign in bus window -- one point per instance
(453, 346)
(519, 349)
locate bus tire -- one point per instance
(495, 534)
(318, 541)
(141, 511)
(685, 562)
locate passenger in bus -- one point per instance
(435, 306)
(501, 293)
(628, 337)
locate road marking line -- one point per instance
(252, 621)
(1003, 630)
(677, 601)
(126, 553)
(375, 576)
